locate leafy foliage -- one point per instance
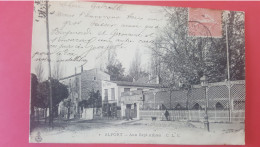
(43, 95)
(94, 101)
(115, 69)
(136, 71)
(236, 39)
(67, 104)
(40, 92)
(59, 92)
(178, 57)
(34, 84)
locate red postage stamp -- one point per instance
(204, 22)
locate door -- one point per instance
(128, 111)
(134, 111)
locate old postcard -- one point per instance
(117, 73)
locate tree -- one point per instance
(186, 59)
(39, 71)
(67, 104)
(59, 93)
(57, 71)
(98, 102)
(39, 94)
(94, 101)
(34, 85)
(136, 71)
(115, 68)
(43, 97)
(116, 71)
(236, 43)
(180, 57)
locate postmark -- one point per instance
(204, 22)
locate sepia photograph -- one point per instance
(136, 74)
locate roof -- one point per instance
(137, 84)
(146, 79)
(70, 76)
(80, 73)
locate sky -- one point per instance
(87, 31)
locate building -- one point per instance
(80, 85)
(111, 97)
(223, 100)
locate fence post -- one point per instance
(199, 114)
(229, 101)
(189, 115)
(215, 114)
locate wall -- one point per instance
(87, 113)
(108, 85)
(132, 88)
(88, 82)
(73, 85)
(217, 94)
(118, 90)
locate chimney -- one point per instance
(157, 79)
(81, 68)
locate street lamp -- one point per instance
(204, 84)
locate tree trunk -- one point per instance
(32, 114)
(38, 115)
(68, 115)
(45, 115)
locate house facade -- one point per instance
(112, 97)
(80, 85)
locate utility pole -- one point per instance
(228, 72)
(49, 64)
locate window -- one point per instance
(219, 106)
(196, 107)
(106, 95)
(126, 89)
(178, 107)
(139, 88)
(112, 93)
(95, 78)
